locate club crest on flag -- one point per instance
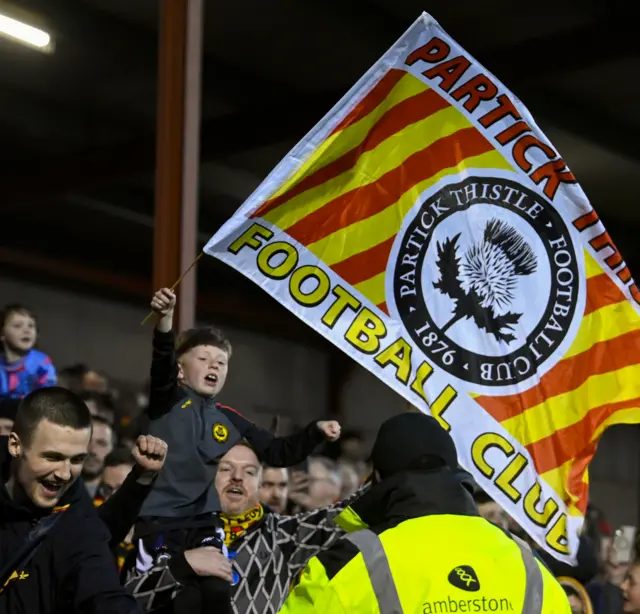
(485, 279)
(429, 229)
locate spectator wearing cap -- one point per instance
(416, 542)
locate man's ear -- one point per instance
(15, 445)
(180, 372)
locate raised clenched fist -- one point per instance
(163, 302)
(149, 453)
(330, 429)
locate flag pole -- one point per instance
(175, 284)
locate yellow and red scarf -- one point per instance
(235, 526)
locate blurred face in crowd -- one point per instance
(95, 382)
(204, 369)
(100, 446)
(97, 409)
(19, 332)
(492, 512)
(349, 479)
(352, 449)
(575, 603)
(324, 486)
(274, 489)
(631, 590)
(113, 478)
(46, 466)
(5, 427)
(238, 480)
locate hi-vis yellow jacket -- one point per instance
(430, 564)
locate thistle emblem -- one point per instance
(484, 281)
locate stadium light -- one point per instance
(23, 32)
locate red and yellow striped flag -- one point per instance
(428, 228)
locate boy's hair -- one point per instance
(119, 456)
(195, 337)
(57, 405)
(12, 308)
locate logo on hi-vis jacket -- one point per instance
(486, 280)
(465, 578)
(220, 432)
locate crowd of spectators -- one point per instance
(301, 500)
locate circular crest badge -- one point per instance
(220, 432)
(486, 280)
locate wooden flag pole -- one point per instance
(175, 285)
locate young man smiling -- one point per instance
(54, 547)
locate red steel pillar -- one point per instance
(178, 152)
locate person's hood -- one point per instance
(407, 495)
(76, 495)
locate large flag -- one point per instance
(429, 229)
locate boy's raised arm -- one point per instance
(284, 451)
(164, 366)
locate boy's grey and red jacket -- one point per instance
(185, 419)
(72, 569)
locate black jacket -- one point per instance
(72, 570)
(199, 432)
